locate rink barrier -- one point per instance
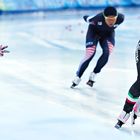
(26, 6)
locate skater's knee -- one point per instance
(90, 49)
(134, 91)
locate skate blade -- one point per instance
(73, 85)
(117, 126)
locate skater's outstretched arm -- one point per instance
(92, 19)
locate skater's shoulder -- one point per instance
(99, 16)
(120, 18)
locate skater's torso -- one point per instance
(137, 57)
(98, 25)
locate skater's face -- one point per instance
(110, 20)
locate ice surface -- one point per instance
(36, 101)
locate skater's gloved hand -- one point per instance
(85, 17)
(2, 50)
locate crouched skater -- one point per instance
(101, 30)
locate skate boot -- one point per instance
(91, 80)
(119, 124)
(75, 82)
(90, 83)
(123, 117)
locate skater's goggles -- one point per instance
(110, 17)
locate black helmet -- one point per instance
(110, 11)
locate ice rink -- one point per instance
(36, 101)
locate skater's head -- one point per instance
(110, 14)
(110, 11)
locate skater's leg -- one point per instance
(91, 43)
(133, 94)
(90, 52)
(107, 47)
(132, 98)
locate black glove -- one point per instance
(85, 17)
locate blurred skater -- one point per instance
(2, 50)
(132, 102)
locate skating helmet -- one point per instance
(110, 11)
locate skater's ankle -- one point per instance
(119, 124)
(92, 76)
(75, 82)
(124, 116)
